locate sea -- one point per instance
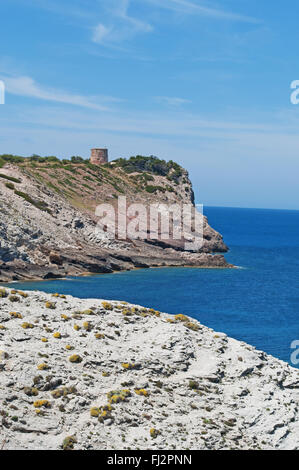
(257, 303)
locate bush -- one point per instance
(10, 178)
(8, 158)
(68, 443)
(42, 403)
(154, 433)
(10, 185)
(154, 189)
(193, 385)
(3, 292)
(50, 305)
(41, 205)
(75, 358)
(107, 305)
(77, 159)
(151, 164)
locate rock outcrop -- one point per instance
(92, 374)
(48, 226)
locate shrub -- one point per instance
(8, 158)
(193, 385)
(155, 189)
(141, 164)
(142, 391)
(43, 366)
(50, 305)
(99, 336)
(191, 326)
(77, 159)
(107, 306)
(63, 392)
(42, 403)
(22, 294)
(181, 317)
(87, 326)
(75, 358)
(117, 396)
(154, 433)
(3, 293)
(10, 185)
(127, 312)
(27, 325)
(95, 412)
(127, 366)
(31, 391)
(10, 178)
(41, 205)
(87, 312)
(68, 443)
(15, 315)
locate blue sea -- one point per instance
(257, 303)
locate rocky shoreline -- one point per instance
(96, 374)
(49, 230)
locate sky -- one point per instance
(204, 83)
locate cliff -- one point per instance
(48, 222)
(92, 374)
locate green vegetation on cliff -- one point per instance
(85, 184)
(154, 165)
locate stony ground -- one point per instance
(92, 374)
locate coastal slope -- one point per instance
(48, 226)
(93, 374)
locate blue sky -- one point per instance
(205, 83)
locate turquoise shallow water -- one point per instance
(257, 303)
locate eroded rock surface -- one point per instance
(92, 374)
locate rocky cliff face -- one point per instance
(48, 226)
(92, 374)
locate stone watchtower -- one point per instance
(99, 156)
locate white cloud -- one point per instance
(100, 32)
(26, 86)
(172, 100)
(187, 7)
(122, 26)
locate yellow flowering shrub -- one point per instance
(99, 336)
(154, 433)
(75, 358)
(43, 366)
(181, 317)
(15, 315)
(141, 391)
(107, 305)
(27, 325)
(127, 366)
(50, 305)
(42, 404)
